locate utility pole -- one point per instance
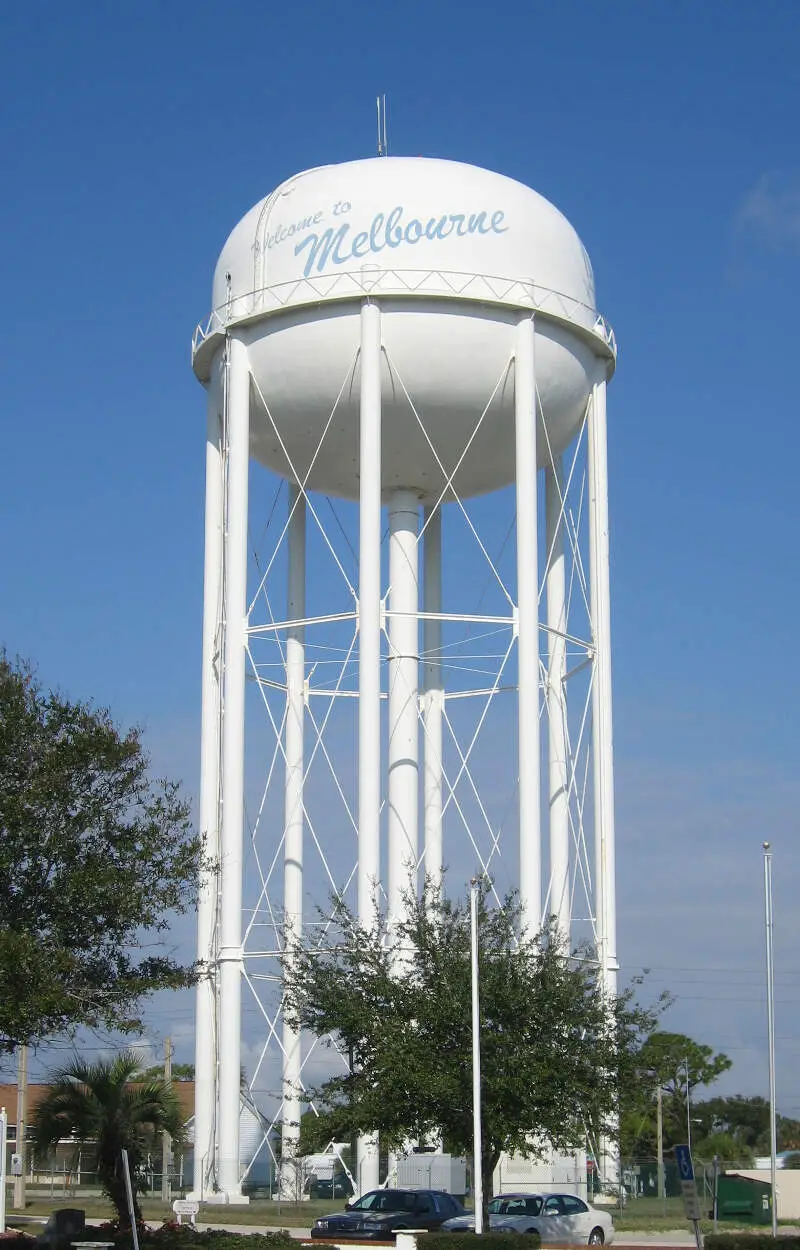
(22, 1113)
(660, 1140)
(166, 1140)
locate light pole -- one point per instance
(688, 1107)
(773, 1129)
(477, 1148)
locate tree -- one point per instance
(664, 1061)
(94, 857)
(745, 1120)
(104, 1108)
(553, 1048)
(180, 1072)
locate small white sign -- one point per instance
(691, 1200)
(185, 1207)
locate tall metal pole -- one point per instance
(166, 1140)
(369, 659)
(22, 1115)
(293, 825)
(230, 953)
(602, 737)
(773, 1121)
(433, 697)
(555, 582)
(206, 1031)
(530, 855)
(477, 1143)
(403, 738)
(660, 1140)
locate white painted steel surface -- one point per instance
(605, 841)
(556, 697)
(433, 696)
(211, 710)
(293, 824)
(424, 234)
(602, 744)
(409, 333)
(403, 748)
(369, 661)
(369, 618)
(230, 915)
(525, 406)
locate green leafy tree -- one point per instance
(665, 1060)
(746, 1121)
(180, 1072)
(95, 857)
(106, 1109)
(723, 1146)
(553, 1048)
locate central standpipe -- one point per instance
(369, 661)
(433, 697)
(230, 951)
(290, 1179)
(555, 581)
(530, 865)
(403, 763)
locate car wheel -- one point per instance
(596, 1237)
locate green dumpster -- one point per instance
(743, 1200)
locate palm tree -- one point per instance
(104, 1106)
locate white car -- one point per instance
(562, 1218)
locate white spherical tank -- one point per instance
(454, 253)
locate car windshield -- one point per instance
(385, 1200)
(515, 1206)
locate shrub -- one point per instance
(172, 1236)
(750, 1241)
(488, 1241)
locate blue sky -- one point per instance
(135, 136)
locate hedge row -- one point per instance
(488, 1241)
(170, 1236)
(750, 1241)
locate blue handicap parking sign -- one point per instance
(683, 1158)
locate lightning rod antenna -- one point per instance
(383, 144)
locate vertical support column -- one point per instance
(433, 698)
(290, 1180)
(369, 660)
(403, 770)
(602, 740)
(602, 737)
(235, 611)
(530, 855)
(555, 581)
(206, 1032)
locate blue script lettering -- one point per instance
(285, 232)
(339, 246)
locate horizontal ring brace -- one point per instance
(275, 627)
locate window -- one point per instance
(552, 1206)
(573, 1206)
(533, 1206)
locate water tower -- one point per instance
(403, 345)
